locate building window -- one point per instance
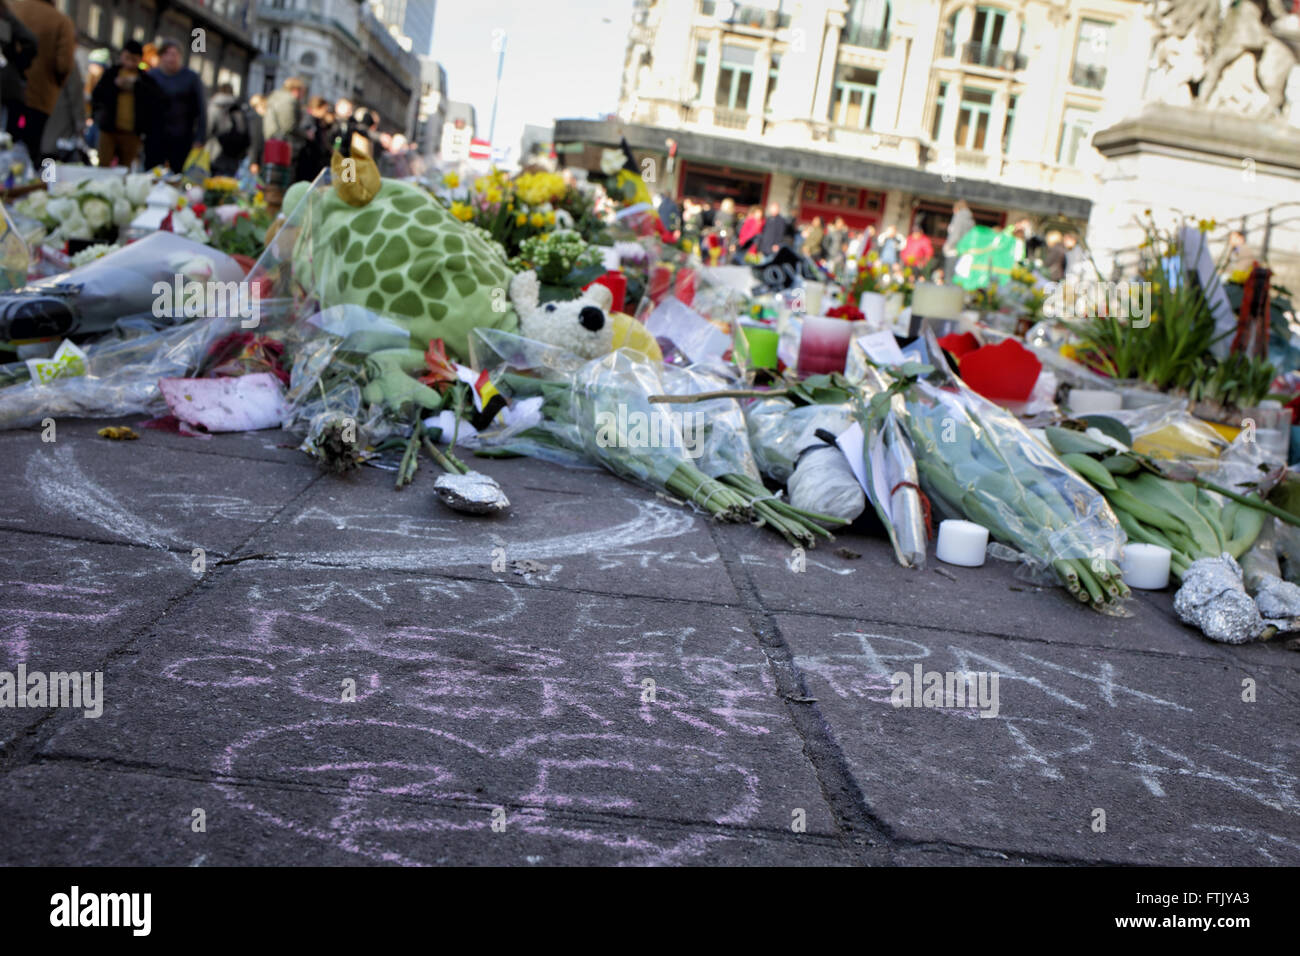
(986, 36)
(1091, 52)
(937, 123)
(701, 60)
(268, 83)
(734, 77)
(867, 24)
(92, 25)
(119, 33)
(1076, 132)
(273, 43)
(773, 71)
(854, 98)
(973, 118)
(708, 7)
(1011, 118)
(308, 59)
(950, 36)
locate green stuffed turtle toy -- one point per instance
(403, 255)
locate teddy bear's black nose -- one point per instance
(592, 319)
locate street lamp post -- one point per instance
(496, 95)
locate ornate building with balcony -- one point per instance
(882, 111)
(343, 50)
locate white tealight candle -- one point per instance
(962, 543)
(937, 301)
(1089, 401)
(1145, 566)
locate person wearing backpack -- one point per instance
(121, 104)
(229, 132)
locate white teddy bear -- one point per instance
(582, 326)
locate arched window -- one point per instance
(273, 43)
(308, 59)
(867, 24)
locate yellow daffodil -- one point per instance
(521, 218)
(451, 180)
(536, 219)
(493, 195)
(481, 184)
(462, 211)
(550, 218)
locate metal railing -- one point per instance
(977, 54)
(872, 38)
(730, 119)
(1089, 77)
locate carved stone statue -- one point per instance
(1198, 40)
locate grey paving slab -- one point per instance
(67, 605)
(1185, 770)
(67, 814)
(989, 599)
(591, 530)
(142, 492)
(466, 691)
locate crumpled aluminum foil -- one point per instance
(1278, 602)
(1214, 599)
(474, 493)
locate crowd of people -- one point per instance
(148, 107)
(725, 235)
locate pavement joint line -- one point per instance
(287, 785)
(118, 543)
(1214, 653)
(848, 805)
(31, 736)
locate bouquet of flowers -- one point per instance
(563, 261)
(93, 208)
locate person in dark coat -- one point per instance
(122, 104)
(181, 123)
(777, 231)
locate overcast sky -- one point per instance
(564, 58)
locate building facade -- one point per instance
(221, 53)
(410, 22)
(343, 50)
(881, 112)
(432, 111)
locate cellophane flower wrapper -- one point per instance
(902, 513)
(779, 430)
(329, 350)
(976, 461)
(600, 411)
(121, 376)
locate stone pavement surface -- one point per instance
(597, 677)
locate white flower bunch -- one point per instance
(137, 187)
(185, 223)
(91, 253)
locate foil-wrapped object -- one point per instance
(1278, 602)
(473, 493)
(1214, 599)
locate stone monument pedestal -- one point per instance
(1178, 160)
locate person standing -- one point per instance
(918, 250)
(889, 246)
(1054, 257)
(724, 221)
(229, 136)
(1073, 255)
(961, 223)
(256, 131)
(180, 123)
(19, 51)
(56, 40)
(315, 153)
(837, 238)
(121, 104)
(669, 213)
(749, 230)
(284, 119)
(776, 232)
(813, 237)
